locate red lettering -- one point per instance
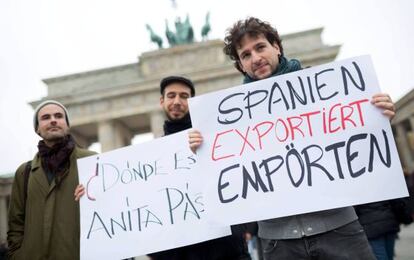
(245, 141)
(89, 196)
(259, 134)
(358, 105)
(307, 116)
(217, 146)
(324, 120)
(286, 130)
(295, 127)
(346, 117)
(332, 119)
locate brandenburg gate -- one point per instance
(112, 105)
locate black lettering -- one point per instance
(293, 153)
(222, 186)
(171, 208)
(265, 164)
(115, 171)
(255, 183)
(335, 148)
(121, 225)
(176, 160)
(222, 111)
(295, 95)
(319, 87)
(96, 215)
(346, 74)
(271, 102)
(351, 156)
(374, 142)
(249, 96)
(310, 88)
(156, 219)
(310, 164)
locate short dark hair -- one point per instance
(252, 27)
(165, 82)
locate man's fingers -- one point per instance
(79, 195)
(385, 105)
(79, 192)
(390, 114)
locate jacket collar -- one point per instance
(38, 174)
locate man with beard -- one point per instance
(43, 217)
(175, 91)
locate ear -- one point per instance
(241, 66)
(276, 47)
(161, 101)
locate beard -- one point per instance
(175, 119)
(54, 136)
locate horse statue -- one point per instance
(154, 37)
(171, 37)
(184, 31)
(206, 27)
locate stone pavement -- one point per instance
(404, 247)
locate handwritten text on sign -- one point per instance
(301, 142)
(142, 199)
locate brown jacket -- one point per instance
(48, 227)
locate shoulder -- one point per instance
(80, 152)
(20, 170)
(22, 167)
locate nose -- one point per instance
(177, 99)
(53, 120)
(256, 58)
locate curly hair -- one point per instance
(252, 27)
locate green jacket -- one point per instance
(48, 227)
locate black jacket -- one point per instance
(377, 219)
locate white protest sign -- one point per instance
(142, 199)
(297, 143)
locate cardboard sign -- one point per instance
(297, 143)
(142, 199)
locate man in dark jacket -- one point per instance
(175, 90)
(257, 52)
(43, 217)
(381, 227)
(381, 221)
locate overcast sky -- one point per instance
(48, 38)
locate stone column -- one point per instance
(81, 140)
(410, 143)
(411, 118)
(113, 134)
(403, 146)
(157, 123)
(411, 140)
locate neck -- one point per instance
(51, 143)
(174, 126)
(284, 66)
